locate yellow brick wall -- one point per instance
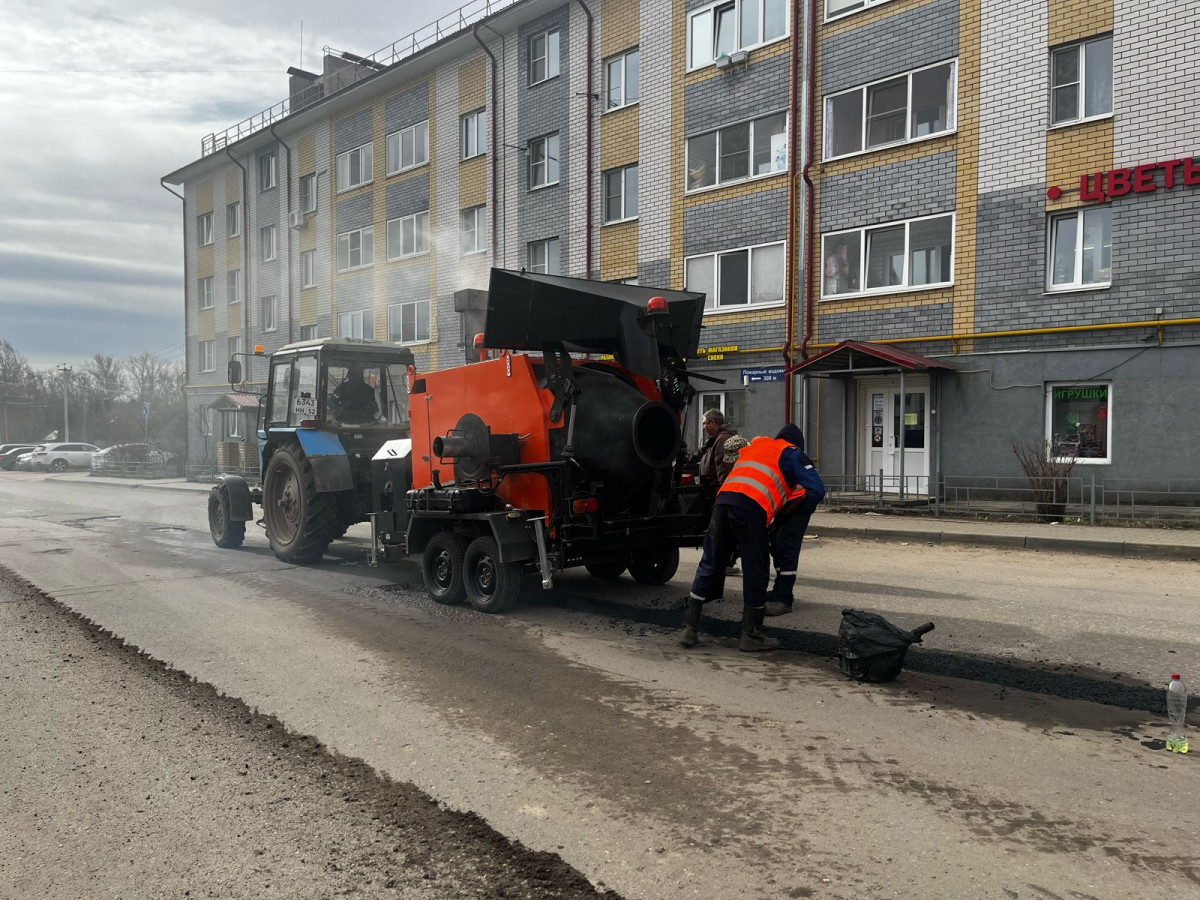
(233, 253)
(1073, 20)
(619, 251)
(1073, 151)
(619, 137)
(233, 183)
(206, 328)
(306, 154)
(472, 182)
(620, 22)
(472, 86)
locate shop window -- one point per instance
(1081, 81)
(898, 110)
(1079, 422)
(1080, 249)
(887, 258)
(732, 405)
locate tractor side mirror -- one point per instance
(234, 372)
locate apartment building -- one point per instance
(998, 244)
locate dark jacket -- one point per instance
(712, 454)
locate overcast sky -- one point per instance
(98, 100)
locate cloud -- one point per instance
(103, 98)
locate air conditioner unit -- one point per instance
(295, 219)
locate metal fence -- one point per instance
(1088, 498)
(132, 469)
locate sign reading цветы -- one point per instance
(768, 373)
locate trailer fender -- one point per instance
(241, 509)
(513, 538)
(327, 456)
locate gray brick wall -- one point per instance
(1010, 261)
(356, 212)
(406, 108)
(736, 94)
(655, 273)
(411, 282)
(887, 323)
(901, 190)
(352, 131)
(409, 196)
(758, 218)
(898, 43)
(543, 109)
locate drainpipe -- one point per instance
(183, 212)
(248, 346)
(790, 264)
(810, 262)
(588, 167)
(495, 145)
(287, 184)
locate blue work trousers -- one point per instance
(785, 539)
(731, 529)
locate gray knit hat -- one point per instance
(733, 445)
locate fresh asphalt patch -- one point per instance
(124, 776)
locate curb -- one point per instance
(1025, 542)
(176, 488)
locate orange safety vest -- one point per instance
(756, 475)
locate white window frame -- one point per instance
(233, 430)
(207, 293)
(204, 229)
(621, 60)
(1081, 85)
(710, 57)
(1049, 426)
(546, 246)
(208, 356)
(420, 235)
(365, 154)
(394, 148)
(308, 193)
(859, 7)
(308, 268)
(712, 301)
(472, 134)
(479, 229)
(1077, 283)
(551, 58)
(308, 332)
(267, 244)
(233, 276)
(268, 312)
(233, 219)
(719, 183)
(397, 310)
(863, 232)
(267, 172)
(722, 405)
(551, 148)
(622, 174)
(864, 89)
(352, 318)
(234, 346)
(366, 247)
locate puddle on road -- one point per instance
(87, 521)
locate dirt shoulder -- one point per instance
(120, 777)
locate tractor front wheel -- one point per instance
(226, 533)
(300, 522)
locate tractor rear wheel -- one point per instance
(492, 586)
(300, 522)
(606, 568)
(654, 567)
(226, 533)
(442, 567)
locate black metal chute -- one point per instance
(526, 311)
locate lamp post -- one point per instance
(66, 373)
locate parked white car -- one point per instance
(60, 457)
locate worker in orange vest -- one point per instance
(756, 490)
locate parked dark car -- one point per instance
(135, 459)
(10, 452)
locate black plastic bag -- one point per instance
(870, 648)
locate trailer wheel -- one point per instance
(606, 568)
(654, 566)
(492, 586)
(226, 533)
(300, 522)
(442, 567)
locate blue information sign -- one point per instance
(768, 373)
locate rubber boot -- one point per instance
(779, 601)
(691, 621)
(753, 637)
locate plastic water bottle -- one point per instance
(1177, 712)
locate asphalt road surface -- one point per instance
(1019, 755)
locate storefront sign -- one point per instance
(755, 376)
(709, 351)
(1087, 393)
(1101, 186)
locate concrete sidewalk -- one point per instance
(1160, 543)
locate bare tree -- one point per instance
(1048, 475)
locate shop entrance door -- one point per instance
(897, 424)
